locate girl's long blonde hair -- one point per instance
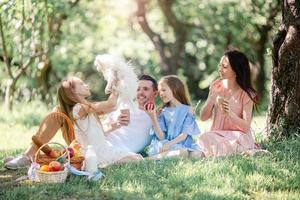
(66, 101)
(178, 88)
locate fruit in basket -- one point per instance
(55, 166)
(76, 146)
(78, 154)
(77, 149)
(44, 168)
(71, 151)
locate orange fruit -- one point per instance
(44, 168)
(76, 146)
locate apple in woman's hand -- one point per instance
(217, 84)
(149, 106)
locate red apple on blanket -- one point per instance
(149, 106)
(55, 166)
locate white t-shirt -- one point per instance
(134, 137)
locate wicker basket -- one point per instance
(44, 159)
(52, 177)
(75, 162)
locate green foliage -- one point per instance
(28, 114)
(94, 27)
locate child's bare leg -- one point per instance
(168, 154)
(46, 132)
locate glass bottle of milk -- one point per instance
(90, 160)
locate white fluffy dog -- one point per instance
(120, 77)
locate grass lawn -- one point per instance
(274, 176)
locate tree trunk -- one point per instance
(43, 78)
(9, 94)
(284, 108)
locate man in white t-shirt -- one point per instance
(133, 135)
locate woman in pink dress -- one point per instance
(230, 102)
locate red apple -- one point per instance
(55, 166)
(71, 152)
(218, 84)
(149, 106)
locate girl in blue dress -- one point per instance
(175, 126)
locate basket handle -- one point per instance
(67, 151)
(71, 134)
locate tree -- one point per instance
(173, 54)
(24, 41)
(202, 31)
(55, 13)
(28, 52)
(284, 108)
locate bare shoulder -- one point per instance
(83, 111)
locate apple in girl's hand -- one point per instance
(149, 106)
(55, 166)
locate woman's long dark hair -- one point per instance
(240, 65)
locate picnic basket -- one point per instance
(47, 157)
(52, 177)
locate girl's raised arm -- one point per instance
(103, 107)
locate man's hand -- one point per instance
(123, 119)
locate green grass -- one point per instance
(275, 176)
